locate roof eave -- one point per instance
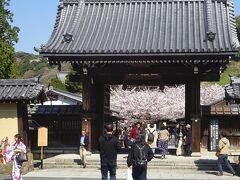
(230, 53)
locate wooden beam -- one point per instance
(120, 70)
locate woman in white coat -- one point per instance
(17, 147)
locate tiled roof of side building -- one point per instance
(232, 90)
(230, 109)
(143, 26)
(21, 90)
(57, 109)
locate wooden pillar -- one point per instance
(195, 118)
(192, 111)
(188, 106)
(93, 105)
(195, 114)
(106, 102)
(86, 95)
(99, 121)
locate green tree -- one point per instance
(73, 83)
(238, 26)
(56, 83)
(8, 36)
(232, 69)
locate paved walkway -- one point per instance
(74, 173)
(154, 173)
(157, 172)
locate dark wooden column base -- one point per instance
(196, 134)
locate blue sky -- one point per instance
(36, 19)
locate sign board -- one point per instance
(214, 134)
(42, 136)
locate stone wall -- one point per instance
(27, 166)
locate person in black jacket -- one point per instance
(109, 146)
(188, 140)
(138, 157)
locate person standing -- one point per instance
(176, 132)
(17, 147)
(180, 150)
(223, 148)
(84, 141)
(163, 141)
(2, 160)
(125, 137)
(135, 132)
(138, 157)
(188, 140)
(108, 146)
(6, 151)
(151, 137)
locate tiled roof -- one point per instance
(21, 90)
(232, 91)
(57, 110)
(155, 27)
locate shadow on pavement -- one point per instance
(212, 173)
(211, 164)
(78, 161)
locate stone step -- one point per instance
(171, 162)
(122, 164)
(155, 163)
(94, 166)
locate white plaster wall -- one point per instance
(61, 101)
(9, 125)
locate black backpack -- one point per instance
(150, 136)
(141, 160)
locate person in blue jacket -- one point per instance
(84, 141)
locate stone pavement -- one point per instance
(173, 167)
(87, 174)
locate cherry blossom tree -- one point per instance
(211, 94)
(150, 103)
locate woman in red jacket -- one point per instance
(134, 132)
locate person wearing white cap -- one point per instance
(188, 140)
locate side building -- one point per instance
(15, 96)
(224, 116)
(61, 114)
